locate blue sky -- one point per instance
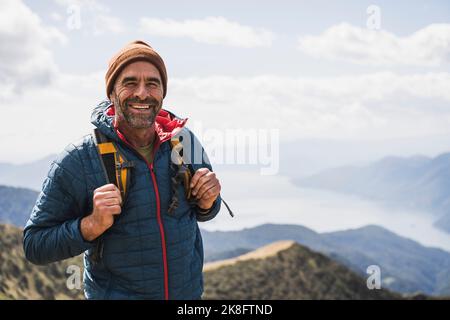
(288, 19)
(312, 70)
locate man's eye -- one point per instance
(130, 84)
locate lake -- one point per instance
(257, 199)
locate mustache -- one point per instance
(152, 102)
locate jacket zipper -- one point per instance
(158, 214)
(161, 229)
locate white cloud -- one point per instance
(43, 122)
(24, 55)
(429, 46)
(373, 106)
(211, 30)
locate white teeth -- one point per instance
(140, 106)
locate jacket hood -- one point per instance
(167, 124)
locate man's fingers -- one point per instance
(212, 192)
(108, 194)
(106, 187)
(110, 202)
(198, 174)
(210, 176)
(205, 187)
(200, 182)
(112, 194)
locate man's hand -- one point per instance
(205, 187)
(107, 203)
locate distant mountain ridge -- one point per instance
(260, 253)
(283, 270)
(286, 270)
(16, 205)
(416, 182)
(407, 266)
(28, 175)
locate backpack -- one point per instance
(116, 168)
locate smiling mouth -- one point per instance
(139, 106)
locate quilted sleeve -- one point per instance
(53, 231)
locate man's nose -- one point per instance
(141, 91)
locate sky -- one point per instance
(338, 71)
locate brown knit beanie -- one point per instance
(132, 52)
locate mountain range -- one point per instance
(28, 175)
(286, 270)
(278, 270)
(282, 270)
(406, 266)
(416, 182)
(16, 205)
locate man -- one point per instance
(148, 250)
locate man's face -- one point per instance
(138, 95)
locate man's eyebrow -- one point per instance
(149, 79)
(126, 79)
(153, 79)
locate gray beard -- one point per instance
(140, 122)
(136, 121)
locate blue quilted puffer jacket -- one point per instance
(147, 253)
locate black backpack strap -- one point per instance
(108, 162)
(114, 163)
(116, 169)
